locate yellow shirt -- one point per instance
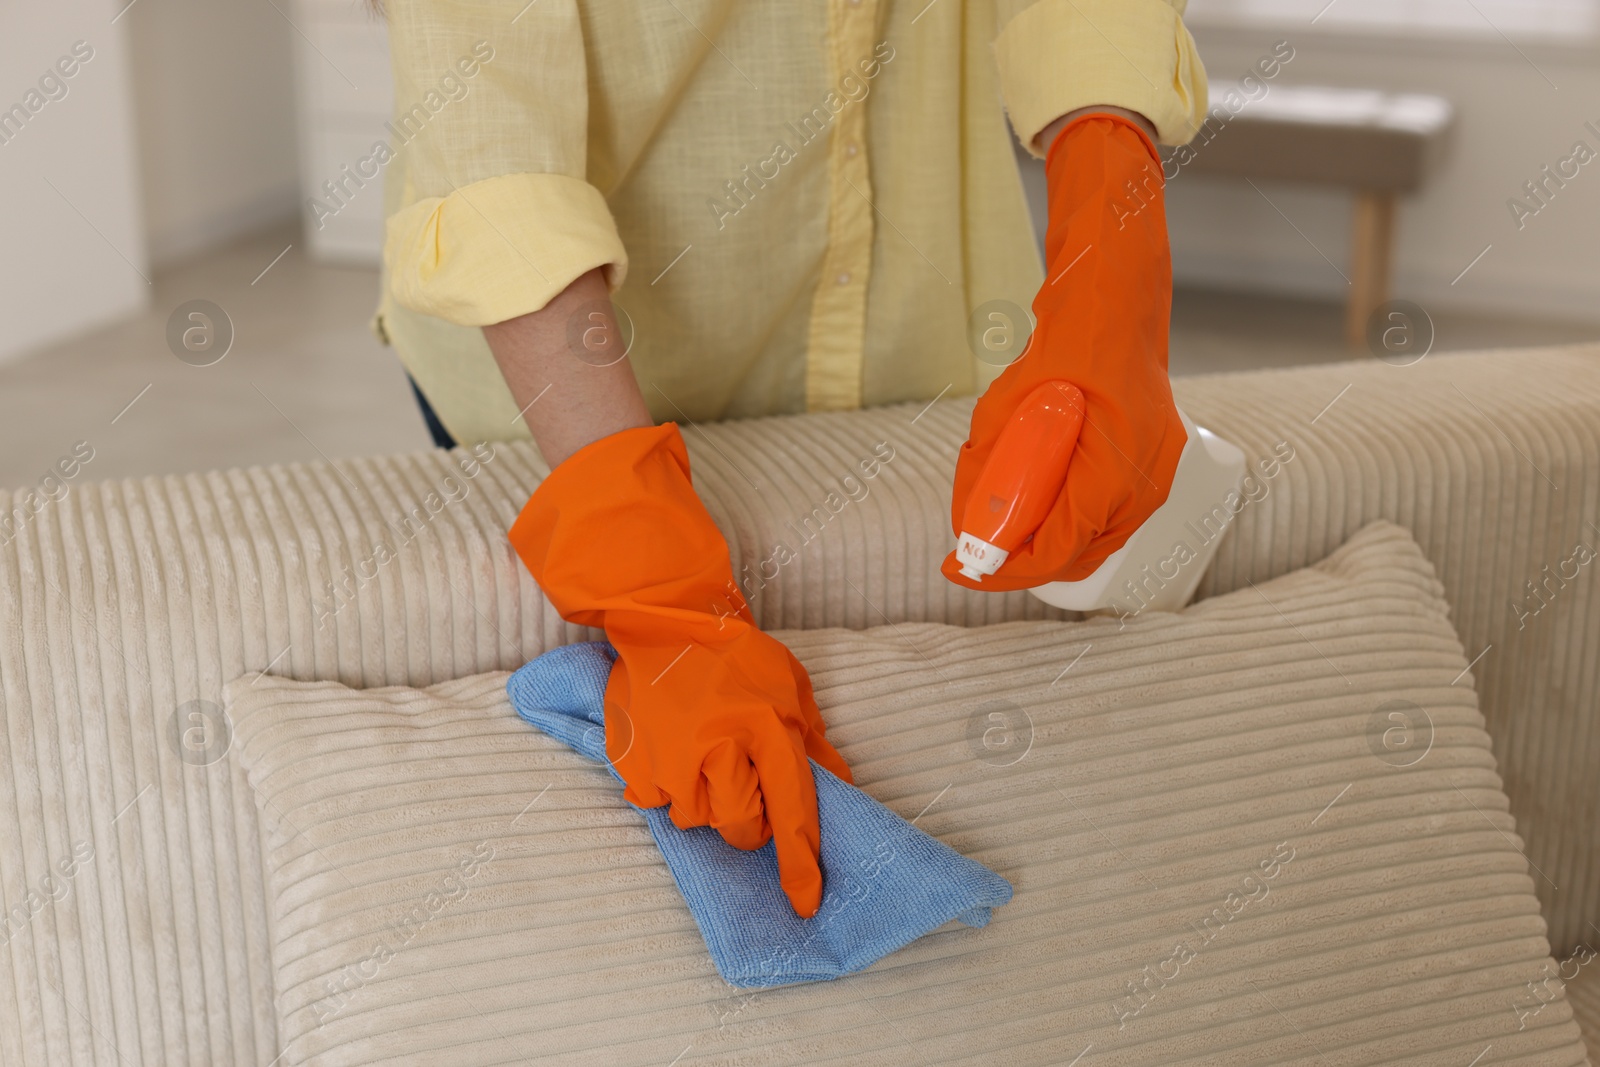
(798, 204)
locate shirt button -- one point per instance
(843, 278)
(851, 149)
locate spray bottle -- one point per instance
(1023, 479)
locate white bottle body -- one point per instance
(1163, 561)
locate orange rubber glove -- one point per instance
(1102, 316)
(703, 710)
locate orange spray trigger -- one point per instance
(1023, 478)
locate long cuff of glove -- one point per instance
(617, 538)
(618, 528)
(1102, 317)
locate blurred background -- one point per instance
(1381, 179)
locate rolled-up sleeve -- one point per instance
(496, 216)
(1056, 56)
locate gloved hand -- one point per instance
(1102, 325)
(703, 710)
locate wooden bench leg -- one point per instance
(1372, 246)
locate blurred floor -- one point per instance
(304, 376)
(1226, 331)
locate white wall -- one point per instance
(346, 96)
(214, 86)
(75, 252)
(1510, 122)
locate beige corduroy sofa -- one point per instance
(128, 605)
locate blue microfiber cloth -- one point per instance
(884, 882)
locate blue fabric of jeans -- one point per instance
(885, 882)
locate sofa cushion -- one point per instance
(126, 605)
(1265, 829)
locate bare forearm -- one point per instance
(565, 366)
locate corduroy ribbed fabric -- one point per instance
(885, 883)
(125, 601)
(1212, 862)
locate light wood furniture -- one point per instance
(1376, 144)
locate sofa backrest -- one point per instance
(130, 870)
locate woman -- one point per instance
(807, 201)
